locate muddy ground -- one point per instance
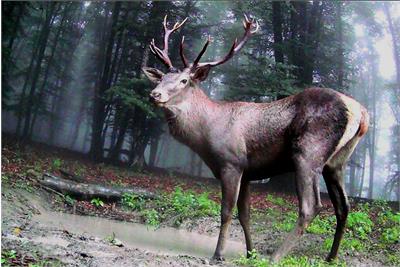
(29, 229)
(40, 230)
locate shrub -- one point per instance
(132, 201)
(151, 217)
(97, 202)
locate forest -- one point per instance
(75, 104)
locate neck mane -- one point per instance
(185, 119)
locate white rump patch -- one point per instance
(354, 116)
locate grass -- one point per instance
(10, 257)
(322, 225)
(7, 256)
(276, 200)
(176, 206)
(372, 229)
(286, 222)
(255, 260)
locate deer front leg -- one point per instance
(243, 205)
(230, 184)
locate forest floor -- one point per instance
(178, 228)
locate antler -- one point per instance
(163, 54)
(236, 47)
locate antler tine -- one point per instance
(176, 26)
(203, 50)
(246, 18)
(163, 54)
(256, 29)
(184, 59)
(235, 48)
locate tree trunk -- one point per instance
(153, 151)
(340, 50)
(115, 150)
(48, 67)
(372, 144)
(51, 8)
(277, 28)
(96, 147)
(395, 40)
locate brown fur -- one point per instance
(312, 133)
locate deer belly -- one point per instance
(269, 161)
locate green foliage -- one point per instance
(46, 263)
(391, 235)
(389, 223)
(255, 260)
(393, 259)
(57, 163)
(97, 202)
(4, 178)
(190, 204)
(389, 217)
(179, 205)
(151, 217)
(271, 212)
(276, 200)
(126, 95)
(288, 223)
(174, 207)
(348, 244)
(322, 225)
(360, 224)
(69, 200)
(24, 185)
(132, 201)
(7, 256)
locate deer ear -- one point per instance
(153, 74)
(200, 73)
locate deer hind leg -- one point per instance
(230, 182)
(333, 176)
(334, 182)
(307, 178)
(243, 205)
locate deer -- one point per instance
(312, 133)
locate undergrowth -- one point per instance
(255, 260)
(173, 208)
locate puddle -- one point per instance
(165, 240)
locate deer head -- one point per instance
(172, 87)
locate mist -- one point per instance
(72, 75)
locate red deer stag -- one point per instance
(311, 133)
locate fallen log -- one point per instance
(71, 176)
(90, 191)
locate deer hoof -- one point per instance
(216, 260)
(330, 258)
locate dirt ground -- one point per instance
(46, 244)
(39, 230)
(49, 244)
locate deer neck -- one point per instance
(188, 119)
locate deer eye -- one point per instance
(184, 81)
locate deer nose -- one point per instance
(155, 95)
